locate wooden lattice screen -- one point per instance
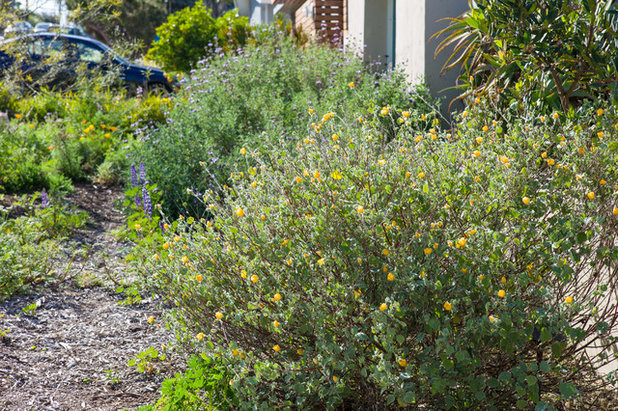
(330, 20)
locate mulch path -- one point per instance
(71, 352)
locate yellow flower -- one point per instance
(277, 297)
(240, 212)
(504, 159)
(602, 182)
(156, 257)
(390, 277)
(184, 259)
(335, 378)
(501, 293)
(360, 209)
(590, 195)
(311, 111)
(298, 179)
(503, 280)
(235, 353)
(526, 200)
(381, 162)
(476, 153)
(550, 161)
(243, 274)
(481, 277)
(385, 252)
(542, 119)
(336, 175)
(568, 299)
(254, 278)
(351, 84)
(615, 212)
(492, 318)
(18, 116)
(479, 140)
(406, 114)
(300, 352)
(276, 324)
(218, 315)
(200, 336)
(421, 175)
(150, 319)
(544, 154)
(360, 260)
(599, 112)
(243, 151)
(384, 111)
(276, 348)
(448, 306)
(165, 246)
(383, 307)
(428, 250)
(402, 362)
(320, 261)
(555, 115)
(485, 128)
(198, 278)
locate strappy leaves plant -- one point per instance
(551, 53)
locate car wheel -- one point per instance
(158, 89)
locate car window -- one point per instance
(47, 47)
(89, 53)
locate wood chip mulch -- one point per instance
(71, 351)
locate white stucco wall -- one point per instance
(410, 37)
(356, 26)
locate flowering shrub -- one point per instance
(55, 137)
(470, 269)
(265, 94)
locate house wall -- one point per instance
(356, 26)
(304, 17)
(376, 30)
(434, 11)
(410, 37)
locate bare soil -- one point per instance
(71, 351)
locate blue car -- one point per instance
(54, 60)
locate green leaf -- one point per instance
(567, 390)
(544, 366)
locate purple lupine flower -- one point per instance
(147, 203)
(137, 201)
(142, 173)
(162, 227)
(133, 175)
(44, 199)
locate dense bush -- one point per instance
(55, 137)
(266, 93)
(192, 33)
(462, 270)
(547, 53)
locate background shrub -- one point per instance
(267, 93)
(440, 270)
(192, 33)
